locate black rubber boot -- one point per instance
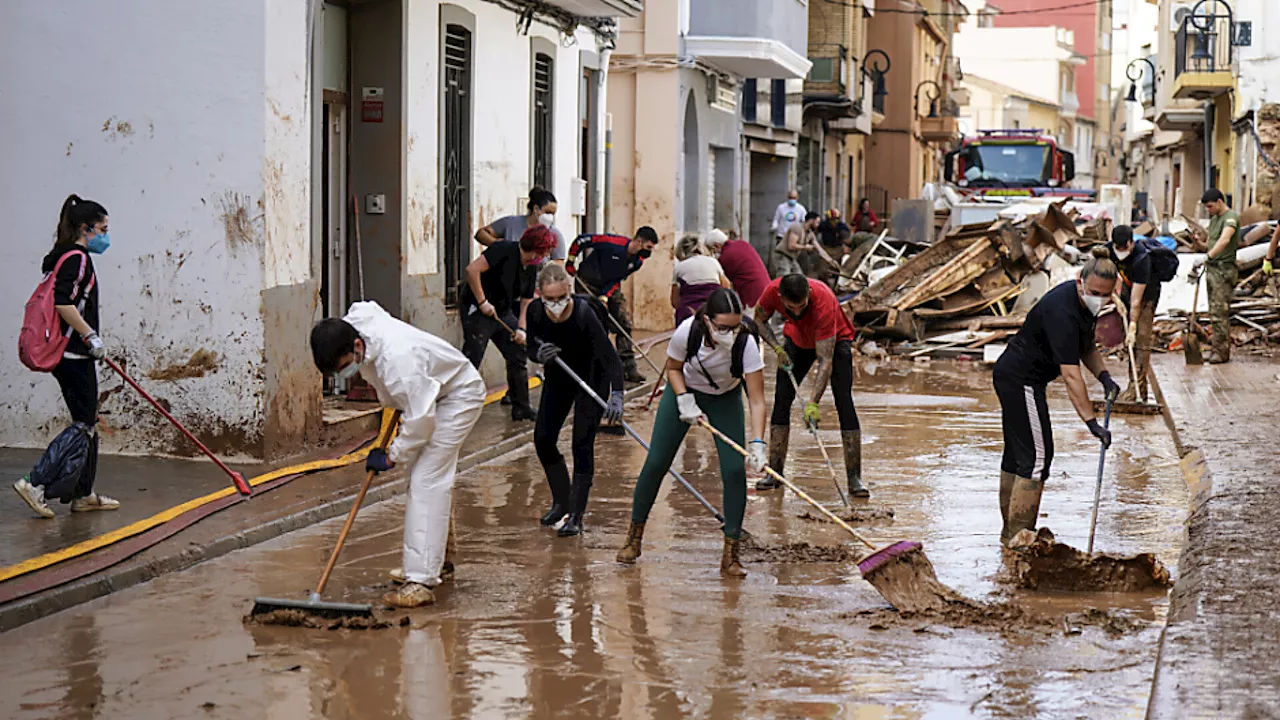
(852, 441)
(581, 491)
(558, 479)
(630, 372)
(1006, 491)
(779, 440)
(1024, 506)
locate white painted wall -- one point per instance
(1035, 71)
(175, 116)
(1260, 62)
(502, 131)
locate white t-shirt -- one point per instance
(697, 270)
(716, 363)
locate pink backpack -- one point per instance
(41, 341)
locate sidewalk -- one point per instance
(1217, 655)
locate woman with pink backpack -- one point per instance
(68, 467)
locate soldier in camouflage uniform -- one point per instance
(1221, 272)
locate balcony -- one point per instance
(601, 8)
(942, 127)
(1203, 55)
(826, 90)
(1070, 103)
(751, 38)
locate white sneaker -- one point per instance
(94, 501)
(34, 496)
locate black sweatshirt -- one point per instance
(1058, 331)
(73, 287)
(584, 345)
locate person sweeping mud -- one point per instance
(816, 330)
(564, 326)
(440, 396)
(607, 260)
(82, 231)
(711, 356)
(1056, 339)
(499, 286)
(1143, 265)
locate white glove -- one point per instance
(486, 308)
(97, 348)
(756, 460)
(689, 410)
(521, 338)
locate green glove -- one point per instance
(784, 360)
(1266, 267)
(811, 414)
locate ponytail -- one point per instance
(76, 212)
(539, 197)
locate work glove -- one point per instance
(756, 459)
(1109, 387)
(378, 461)
(97, 348)
(487, 308)
(520, 337)
(1103, 434)
(545, 353)
(1266, 267)
(811, 414)
(784, 360)
(604, 300)
(613, 408)
(1131, 337)
(689, 410)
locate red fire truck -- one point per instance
(1012, 164)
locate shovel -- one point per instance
(1191, 336)
(1097, 489)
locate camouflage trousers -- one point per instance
(1220, 282)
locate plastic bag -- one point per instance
(68, 465)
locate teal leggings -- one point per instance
(725, 414)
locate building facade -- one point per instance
(267, 162)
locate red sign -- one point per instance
(371, 111)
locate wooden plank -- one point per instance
(962, 269)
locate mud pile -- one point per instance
(800, 552)
(905, 577)
(300, 618)
(1040, 562)
(853, 516)
(1004, 617)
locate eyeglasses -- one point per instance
(722, 328)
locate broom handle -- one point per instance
(835, 479)
(1097, 489)
(774, 474)
(618, 326)
(111, 363)
(355, 508)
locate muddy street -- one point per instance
(539, 626)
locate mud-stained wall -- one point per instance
(501, 136)
(167, 130)
(292, 384)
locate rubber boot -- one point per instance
(1006, 490)
(730, 565)
(852, 441)
(1024, 506)
(630, 372)
(581, 491)
(558, 479)
(779, 439)
(631, 551)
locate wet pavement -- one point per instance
(540, 626)
(1217, 655)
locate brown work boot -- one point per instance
(1006, 490)
(1217, 357)
(1024, 506)
(779, 440)
(410, 595)
(631, 551)
(852, 441)
(730, 565)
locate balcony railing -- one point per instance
(1203, 43)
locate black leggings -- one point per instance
(1028, 437)
(559, 394)
(478, 330)
(841, 384)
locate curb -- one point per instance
(125, 575)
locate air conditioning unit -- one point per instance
(722, 94)
(1178, 11)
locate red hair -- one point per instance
(538, 240)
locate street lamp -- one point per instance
(876, 70)
(933, 96)
(1206, 35)
(1129, 72)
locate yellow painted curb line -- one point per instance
(136, 528)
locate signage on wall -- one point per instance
(371, 105)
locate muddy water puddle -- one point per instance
(539, 626)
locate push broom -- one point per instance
(899, 571)
(313, 605)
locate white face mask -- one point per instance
(721, 337)
(1094, 303)
(557, 307)
(349, 371)
(547, 219)
(1122, 254)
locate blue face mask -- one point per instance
(99, 243)
(792, 203)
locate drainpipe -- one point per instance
(608, 168)
(605, 156)
(1208, 145)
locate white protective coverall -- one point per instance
(440, 396)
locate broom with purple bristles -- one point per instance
(899, 571)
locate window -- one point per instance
(823, 70)
(778, 103)
(455, 121)
(543, 104)
(749, 100)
